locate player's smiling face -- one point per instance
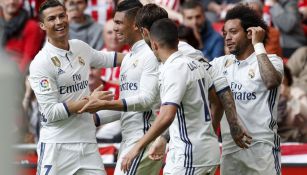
(235, 37)
(123, 27)
(55, 23)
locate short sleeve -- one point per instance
(174, 85)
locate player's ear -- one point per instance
(249, 34)
(42, 25)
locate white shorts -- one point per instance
(172, 169)
(69, 159)
(141, 165)
(259, 159)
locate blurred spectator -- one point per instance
(101, 10)
(217, 9)
(286, 18)
(272, 44)
(302, 8)
(22, 36)
(292, 111)
(298, 66)
(10, 107)
(81, 25)
(171, 6)
(186, 34)
(210, 42)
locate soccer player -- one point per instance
(59, 77)
(150, 13)
(184, 84)
(254, 78)
(138, 84)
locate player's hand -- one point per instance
(128, 158)
(157, 149)
(240, 136)
(257, 33)
(102, 95)
(93, 105)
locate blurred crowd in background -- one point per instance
(200, 24)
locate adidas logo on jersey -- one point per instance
(60, 71)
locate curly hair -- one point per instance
(248, 17)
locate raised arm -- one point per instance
(270, 76)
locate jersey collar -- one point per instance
(57, 50)
(135, 47)
(249, 60)
(173, 56)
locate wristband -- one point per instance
(259, 49)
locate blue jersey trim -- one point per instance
(115, 59)
(97, 123)
(125, 105)
(223, 90)
(171, 103)
(66, 108)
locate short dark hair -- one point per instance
(130, 7)
(47, 4)
(191, 5)
(248, 18)
(165, 32)
(148, 14)
(187, 34)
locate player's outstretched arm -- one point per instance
(166, 117)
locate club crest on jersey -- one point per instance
(251, 73)
(44, 85)
(56, 61)
(81, 61)
(228, 63)
(135, 63)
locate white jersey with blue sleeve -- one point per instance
(138, 90)
(58, 76)
(184, 83)
(256, 105)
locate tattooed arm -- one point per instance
(270, 76)
(236, 130)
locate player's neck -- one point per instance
(136, 38)
(244, 55)
(62, 44)
(166, 53)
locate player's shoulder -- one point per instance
(40, 60)
(274, 57)
(223, 61)
(78, 45)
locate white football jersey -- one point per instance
(184, 82)
(138, 90)
(219, 81)
(58, 76)
(256, 105)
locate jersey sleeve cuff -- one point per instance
(223, 90)
(170, 103)
(125, 105)
(115, 59)
(97, 121)
(66, 108)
